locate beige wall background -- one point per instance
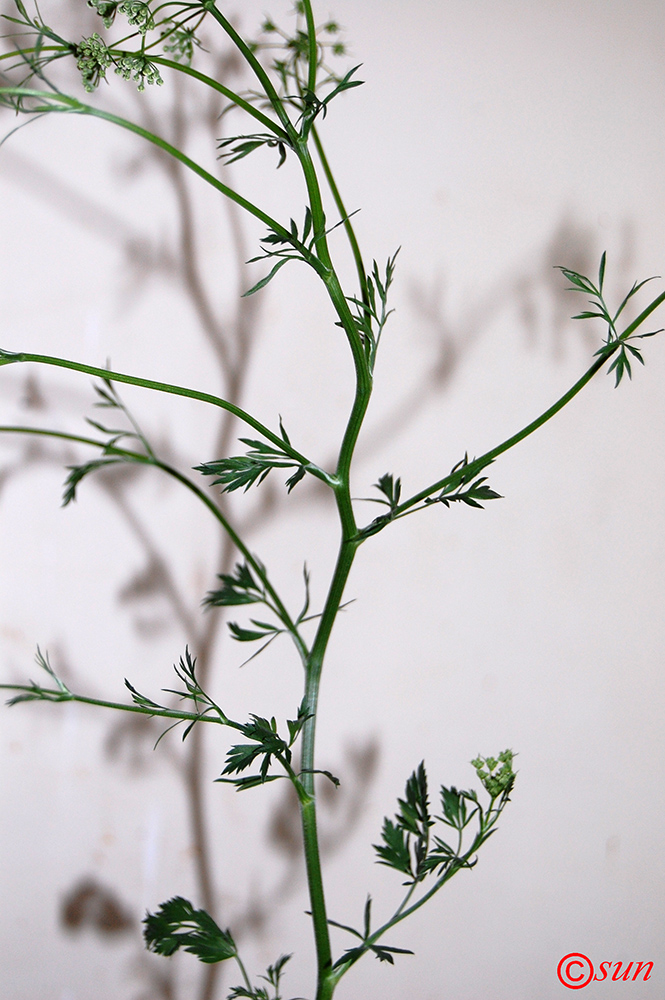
(491, 142)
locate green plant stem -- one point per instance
(60, 52)
(480, 463)
(347, 550)
(348, 228)
(243, 972)
(325, 985)
(314, 667)
(279, 608)
(404, 910)
(56, 695)
(64, 51)
(308, 808)
(400, 914)
(326, 269)
(236, 99)
(275, 100)
(177, 390)
(61, 102)
(316, 891)
(313, 56)
(325, 982)
(341, 306)
(640, 319)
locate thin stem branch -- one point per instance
(7, 357)
(61, 102)
(480, 463)
(348, 227)
(63, 52)
(313, 53)
(56, 695)
(275, 100)
(236, 99)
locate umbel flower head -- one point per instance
(496, 774)
(92, 60)
(137, 13)
(106, 9)
(137, 67)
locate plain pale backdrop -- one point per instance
(489, 141)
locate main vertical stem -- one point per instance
(325, 984)
(314, 665)
(325, 981)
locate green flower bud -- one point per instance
(106, 9)
(92, 60)
(137, 67)
(138, 14)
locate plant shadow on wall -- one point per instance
(296, 90)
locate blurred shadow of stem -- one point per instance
(231, 340)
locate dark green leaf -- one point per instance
(241, 145)
(367, 918)
(305, 608)
(382, 952)
(601, 271)
(282, 431)
(590, 315)
(267, 744)
(636, 287)
(140, 699)
(461, 474)
(295, 725)
(394, 852)
(178, 925)
(385, 954)
(235, 472)
(238, 587)
(252, 781)
(342, 927)
(241, 991)
(264, 281)
(621, 364)
(453, 806)
(22, 11)
(345, 84)
(391, 489)
(79, 472)
(242, 471)
(582, 283)
(307, 226)
(295, 478)
(262, 630)
(440, 857)
(327, 774)
(36, 692)
(274, 972)
(241, 757)
(414, 809)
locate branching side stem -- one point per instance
(7, 358)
